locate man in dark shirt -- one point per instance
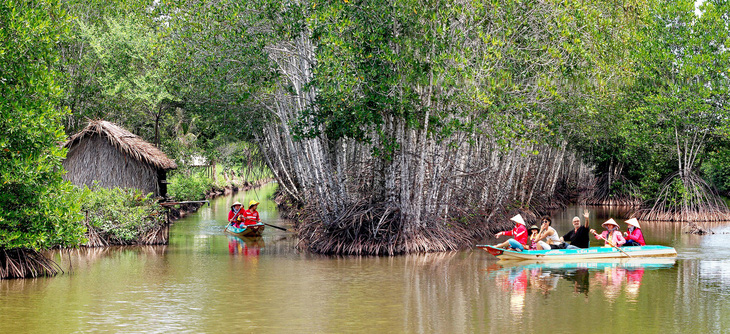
(578, 236)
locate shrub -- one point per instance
(120, 216)
(189, 186)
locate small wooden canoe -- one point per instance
(581, 254)
(247, 230)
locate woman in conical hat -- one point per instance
(634, 236)
(519, 232)
(612, 236)
(236, 214)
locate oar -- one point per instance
(234, 218)
(611, 243)
(274, 226)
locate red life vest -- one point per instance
(250, 217)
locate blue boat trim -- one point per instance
(650, 250)
(237, 230)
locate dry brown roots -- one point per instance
(26, 263)
(155, 235)
(696, 202)
(604, 195)
(376, 229)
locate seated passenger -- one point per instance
(519, 232)
(534, 233)
(612, 236)
(634, 237)
(548, 237)
(578, 236)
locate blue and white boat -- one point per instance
(582, 253)
(246, 230)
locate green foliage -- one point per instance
(120, 214)
(675, 102)
(716, 169)
(189, 185)
(37, 208)
(520, 72)
(132, 67)
(621, 83)
(243, 159)
(221, 66)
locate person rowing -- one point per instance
(235, 215)
(612, 236)
(519, 234)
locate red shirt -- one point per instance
(636, 235)
(240, 216)
(231, 214)
(250, 217)
(519, 233)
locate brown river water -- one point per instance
(207, 282)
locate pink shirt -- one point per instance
(616, 238)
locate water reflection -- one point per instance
(611, 277)
(245, 246)
(205, 278)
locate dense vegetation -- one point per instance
(121, 216)
(396, 126)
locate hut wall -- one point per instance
(95, 159)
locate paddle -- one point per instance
(611, 243)
(235, 214)
(274, 226)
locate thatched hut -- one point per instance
(115, 157)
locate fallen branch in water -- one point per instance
(693, 228)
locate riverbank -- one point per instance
(119, 217)
(215, 192)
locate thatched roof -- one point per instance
(126, 142)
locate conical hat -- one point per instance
(634, 222)
(610, 221)
(518, 219)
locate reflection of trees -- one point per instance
(580, 279)
(83, 258)
(21, 285)
(439, 289)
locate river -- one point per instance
(207, 282)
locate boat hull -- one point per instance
(581, 254)
(595, 264)
(247, 230)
